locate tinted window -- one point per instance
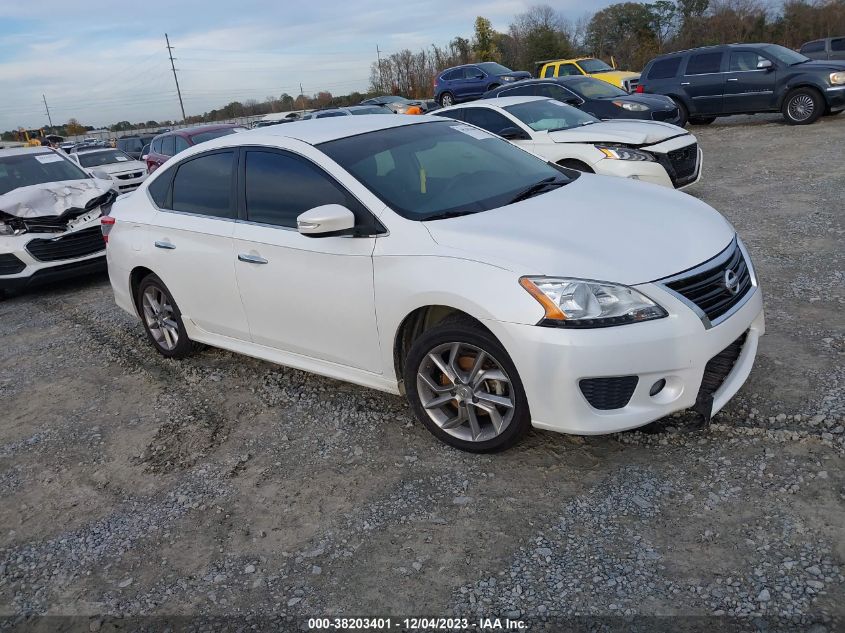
(451, 114)
(168, 146)
(159, 187)
(589, 88)
(744, 60)
(665, 68)
(437, 167)
(487, 119)
(554, 92)
(204, 185)
(549, 71)
(207, 136)
(458, 73)
(22, 170)
(785, 55)
(473, 72)
(280, 187)
(837, 44)
(704, 63)
(373, 110)
(155, 146)
(181, 144)
(130, 144)
(326, 115)
(520, 91)
(813, 47)
(568, 69)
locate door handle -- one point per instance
(685, 83)
(251, 259)
(165, 245)
(733, 79)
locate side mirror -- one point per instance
(765, 64)
(513, 134)
(325, 221)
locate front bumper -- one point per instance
(655, 173)
(552, 361)
(835, 97)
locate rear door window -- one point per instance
(704, 63)
(181, 144)
(487, 119)
(665, 68)
(203, 186)
(168, 146)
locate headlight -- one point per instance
(7, 229)
(579, 303)
(507, 78)
(625, 153)
(837, 78)
(632, 107)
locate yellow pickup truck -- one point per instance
(588, 66)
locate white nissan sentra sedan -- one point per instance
(428, 257)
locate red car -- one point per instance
(166, 145)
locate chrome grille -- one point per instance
(717, 286)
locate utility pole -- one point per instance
(380, 76)
(46, 107)
(175, 78)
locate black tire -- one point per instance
(446, 96)
(493, 87)
(802, 106)
(577, 165)
(184, 346)
(683, 113)
(701, 120)
(470, 335)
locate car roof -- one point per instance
(190, 131)
(501, 102)
(714, 47)
(316, 131)
(17, 151)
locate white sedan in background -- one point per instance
(109, 163)
(424, 256)
(652, 151)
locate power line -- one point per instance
(46, 107)
(176, 79)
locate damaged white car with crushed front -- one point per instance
(49, 218)
(428, 257)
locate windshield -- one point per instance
(588, 88)
(593, 65)
(94, 159)
(371, 110)
(207, 136)
(492, 68)
(23, 170)
(436, 169)
(785, 55)
(549, 115)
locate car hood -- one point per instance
(55, 198)
(618, 74)
(830, 65)
(610, 230)
(625, 131)
(516, 74)
(119, 168)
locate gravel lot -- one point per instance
(131, 485)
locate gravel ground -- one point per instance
(224, 486)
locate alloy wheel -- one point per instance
(446, 100)
(159, 317)
(466, 392)
(801, 107)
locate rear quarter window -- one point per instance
(704, 63)
(665, 68)
(813, 47)
(837, 44)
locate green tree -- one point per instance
(484, 43)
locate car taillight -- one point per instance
(106, 224)
(640, 89)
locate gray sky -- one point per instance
(103, 61)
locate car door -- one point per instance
(475, 82)
(311, 296)
(704, 82)
(747, 87)
(191, 239)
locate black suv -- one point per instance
(134, 145)
(744, 79)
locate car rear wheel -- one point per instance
(446, 99)
(464, 388)
(162, 319)
(802, 106)
(701, 120)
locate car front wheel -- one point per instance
(446, 99)
(802, 106)
(464, 388)
(701, 120)
(162, 319)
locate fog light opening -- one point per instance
(657, 387)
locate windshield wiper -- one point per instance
(536, 188)
(447, 214)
